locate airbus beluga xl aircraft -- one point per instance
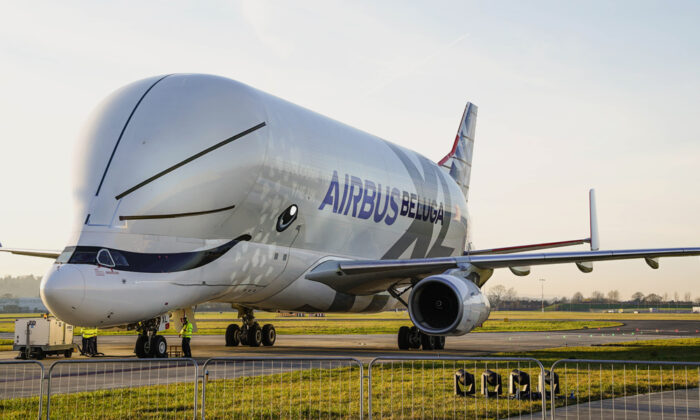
(197, 188)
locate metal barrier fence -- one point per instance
(329, 387)
(454, 387)
(289, 388)
(122, 388)
(21, 389)
(638, 389)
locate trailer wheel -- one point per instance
(39, 354)
(68, 353)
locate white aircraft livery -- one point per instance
(197, 188)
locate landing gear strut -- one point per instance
(149, 344)
(412, 338)
(250, 333)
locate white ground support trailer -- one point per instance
(37, 337)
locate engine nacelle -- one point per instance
(447, 305)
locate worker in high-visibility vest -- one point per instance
(90, 341)
(86, 337)
(186, 334)
(93, 342)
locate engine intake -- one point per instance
(447, 305)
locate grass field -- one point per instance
(5, 344)
(677, 349)
(595, 315)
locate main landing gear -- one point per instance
(149, 344)
(413, 338)
(250, 333)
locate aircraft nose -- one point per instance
(63, 290)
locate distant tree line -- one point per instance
(501, 298)
(19, 286)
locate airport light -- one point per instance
(489, 377)
(519, 386)
(464, 383)
(550, 378)
(542, 281)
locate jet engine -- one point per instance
(446, 304)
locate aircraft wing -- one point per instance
(374, 276)
(43, 253)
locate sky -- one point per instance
(571, 95)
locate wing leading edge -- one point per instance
(373, 276)
(42, 253)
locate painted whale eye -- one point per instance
(287, 217)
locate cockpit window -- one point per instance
(104, 258)
(65, 255)
(119, 258)
(84, 255)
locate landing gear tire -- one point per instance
(142, 347)
(404, 333)
(440, 342)
(269, 335)
(233, 335)
(254, 336)
(159, 347)
(414, 337)
(427, 341)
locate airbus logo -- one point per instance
(368, 200)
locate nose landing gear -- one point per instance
(250, 333)
(149, 344)
(413, 338)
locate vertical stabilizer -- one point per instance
(458, 163)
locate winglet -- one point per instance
(595, 239)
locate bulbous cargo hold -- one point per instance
(166, 146)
